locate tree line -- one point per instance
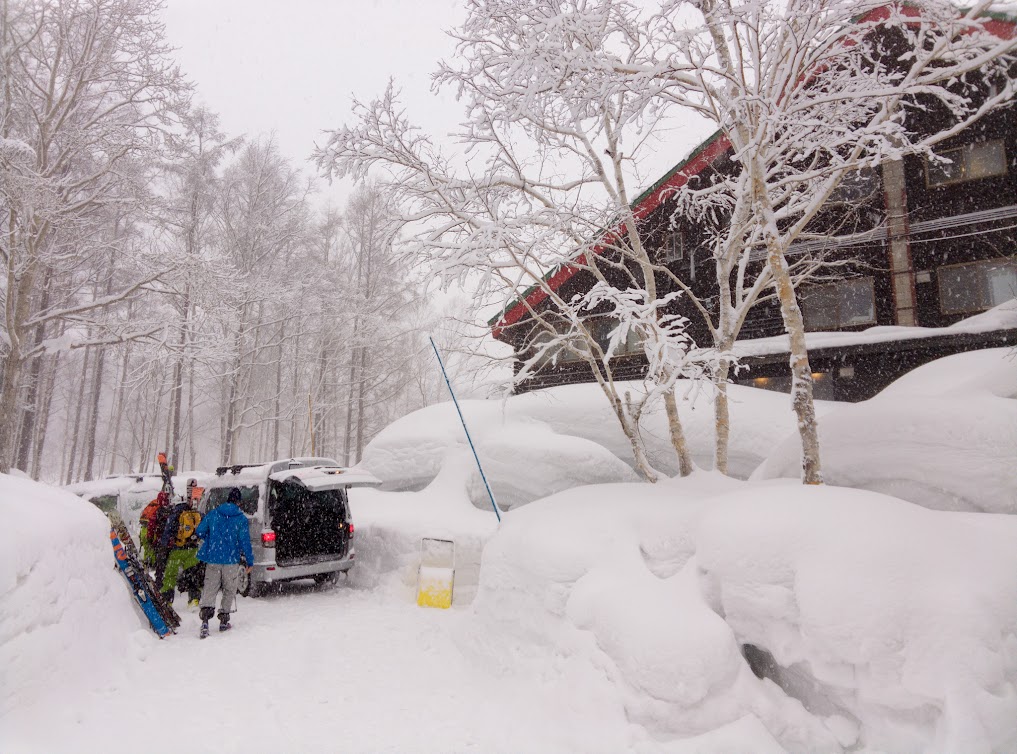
(168, 286)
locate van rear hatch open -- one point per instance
(309, 512)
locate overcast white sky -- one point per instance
(291, 66)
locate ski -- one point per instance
(167, 475)
(161, 616)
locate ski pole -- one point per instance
(467, 431)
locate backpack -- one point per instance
(148, 512)
(189, 521)
(157, 524)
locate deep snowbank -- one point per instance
(390, 526)
(66, 615)
(905, 619)
(539, 443)
(895, 625)
(943, 436)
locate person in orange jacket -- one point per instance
(148, 516)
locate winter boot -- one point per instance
(203, 634)
(224, 622)
(168, 597)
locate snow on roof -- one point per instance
(1002, 317)
(318, 478)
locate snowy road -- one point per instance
(317, 671)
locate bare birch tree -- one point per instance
(807, 93)
(85, 85)
(549, 153)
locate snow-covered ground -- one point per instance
(546, 441)
(943, 436)
(706, 614)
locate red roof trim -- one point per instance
(1002, 26)
(652, 201)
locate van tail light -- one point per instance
(350, 527)
(268, 539)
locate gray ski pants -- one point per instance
(224, 577)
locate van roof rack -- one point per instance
(235, 469)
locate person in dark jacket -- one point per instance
(179, 542)
(155, 529)
(225, 539)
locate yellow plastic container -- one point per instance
(436, 574)
(434, 587)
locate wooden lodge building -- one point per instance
(927, 246)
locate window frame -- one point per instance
(245, 504)
(866, 279)
(965, 150)
(675, 247)
(977, 263)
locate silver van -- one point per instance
(299, 516)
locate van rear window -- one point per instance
(248, 498)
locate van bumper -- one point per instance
(271, 572)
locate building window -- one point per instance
(977, 286)
(539, 339)
(674, 247)
(553, 348)
(857, 186)
(970, 162)
(602, 329)
(846, 303)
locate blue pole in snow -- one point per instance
(468, 438)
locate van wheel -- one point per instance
(250, 588)
(330, 579)
(257, 589)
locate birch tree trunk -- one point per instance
(801, 371)
(79, 396)
(28, 415)
(677, 433)
(93, 417)
(42, 420)
(118, 409)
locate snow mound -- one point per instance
(874, 624)
(391, 525)
(899, 618)
(605, 578)
(550, 440)
(527, 460)
(990, 370)
(66, 612)
(943, 436)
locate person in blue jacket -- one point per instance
(225, 539)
